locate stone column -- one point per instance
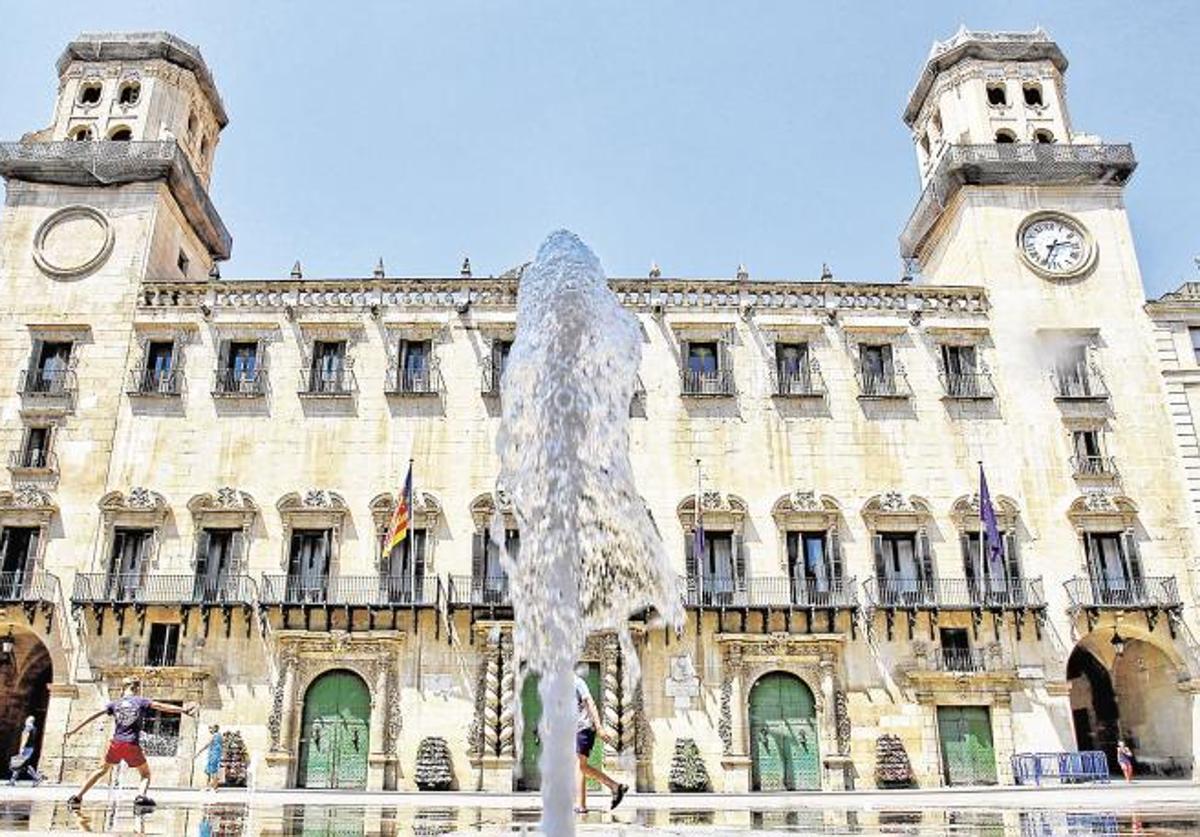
(736, 761)
(377, 756)
(58, 720)
(1002, 737)
(282, 726)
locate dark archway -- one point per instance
(24, 681)
(1093, 704)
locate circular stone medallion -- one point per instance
(72, 242)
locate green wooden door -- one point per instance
(968, 756)
(531, 716)
(784, 750)
(334, 736)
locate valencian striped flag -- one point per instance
(398, 529)
(993, 547)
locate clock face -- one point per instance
(1055, 246)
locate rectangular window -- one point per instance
(413, 366)
(1072, 373)
(18, 552)
(1112, 568)
(876, 369)
(499, 359)
(997, 95)
(52, 362)
(494, 584)
(328, 368)
(702, 358)
(239, 368)
(792, 368)
(989, 576)
(406, 569)
(215, 557)
(308, 564)
(130, 556)
(160, 357)
(160, 731)
(956, 651)
(720, 579)
(809, 566)
(902, 577)
(35, 452)
(1194, 334)
(163, 648)
(706, 368)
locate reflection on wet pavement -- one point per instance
(243, 820)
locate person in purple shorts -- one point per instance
(129, 713)
(587, 723)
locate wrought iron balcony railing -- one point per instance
(1079, 383)
(1094, 466)
(230, 383)
(954, 593)
(806, 382)
(33, 460)
(336, 383)
(155, 382)
(767, 592)
(968, 386)
(894, 385)
(48, 383)
(1007, 163)
(960, 660)
(490, 591)
(1120, 592)
(28, 586)
(401, 381)
(152, 588)
(719, 383)
(348, 590)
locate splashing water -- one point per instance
(590, 552)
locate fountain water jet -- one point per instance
(590, 552)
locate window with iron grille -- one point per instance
(877, 369)
(239, 367)
(52, 360)
(160, 731)
(414, 366)
(327, 371)
(157, 374)
(792, 367)
(18, 553)
(405, 580)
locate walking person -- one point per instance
(129, 714)
(22, 762)
(1125, 759)
(587, 726)
(212, 768)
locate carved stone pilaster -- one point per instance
(490, 733)
(275, 721)
(725, 724)
(841, 709)
(611, 692)
(507, 698)
(395, 721)
(475, 733)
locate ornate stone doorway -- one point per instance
(784, 739)
(335, 733)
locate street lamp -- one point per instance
(1118, 642)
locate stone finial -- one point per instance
(742, 273)
(297, 272)
(379, 271)
(465, 270)
(826, 273)
(655, 270)
(214, 272)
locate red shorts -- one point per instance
(123, 751)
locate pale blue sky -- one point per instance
(698, 134)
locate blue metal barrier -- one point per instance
(1064, 768)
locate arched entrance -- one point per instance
(529, 777)
(25, 675)
(1135, 696)
(784, 750)
(335, 733)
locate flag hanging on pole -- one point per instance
(398, 528)
(992, 546)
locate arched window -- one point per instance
(81, 134)
(191, 126)
(89, 92)
(121, 134)
(1005, 136)
(1033, 95)
(1043, 136)
(130, 93)
(996, 94)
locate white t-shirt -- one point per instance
(583, 718)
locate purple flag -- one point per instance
(993, 547)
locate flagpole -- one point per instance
(412, 570)
(698, 541)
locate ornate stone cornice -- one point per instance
(894, 508)
(1103, 509)
(426, 511)
(140, 502)
(228, 505)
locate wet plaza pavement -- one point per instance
(1107, 810)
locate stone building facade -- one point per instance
(201, 471)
